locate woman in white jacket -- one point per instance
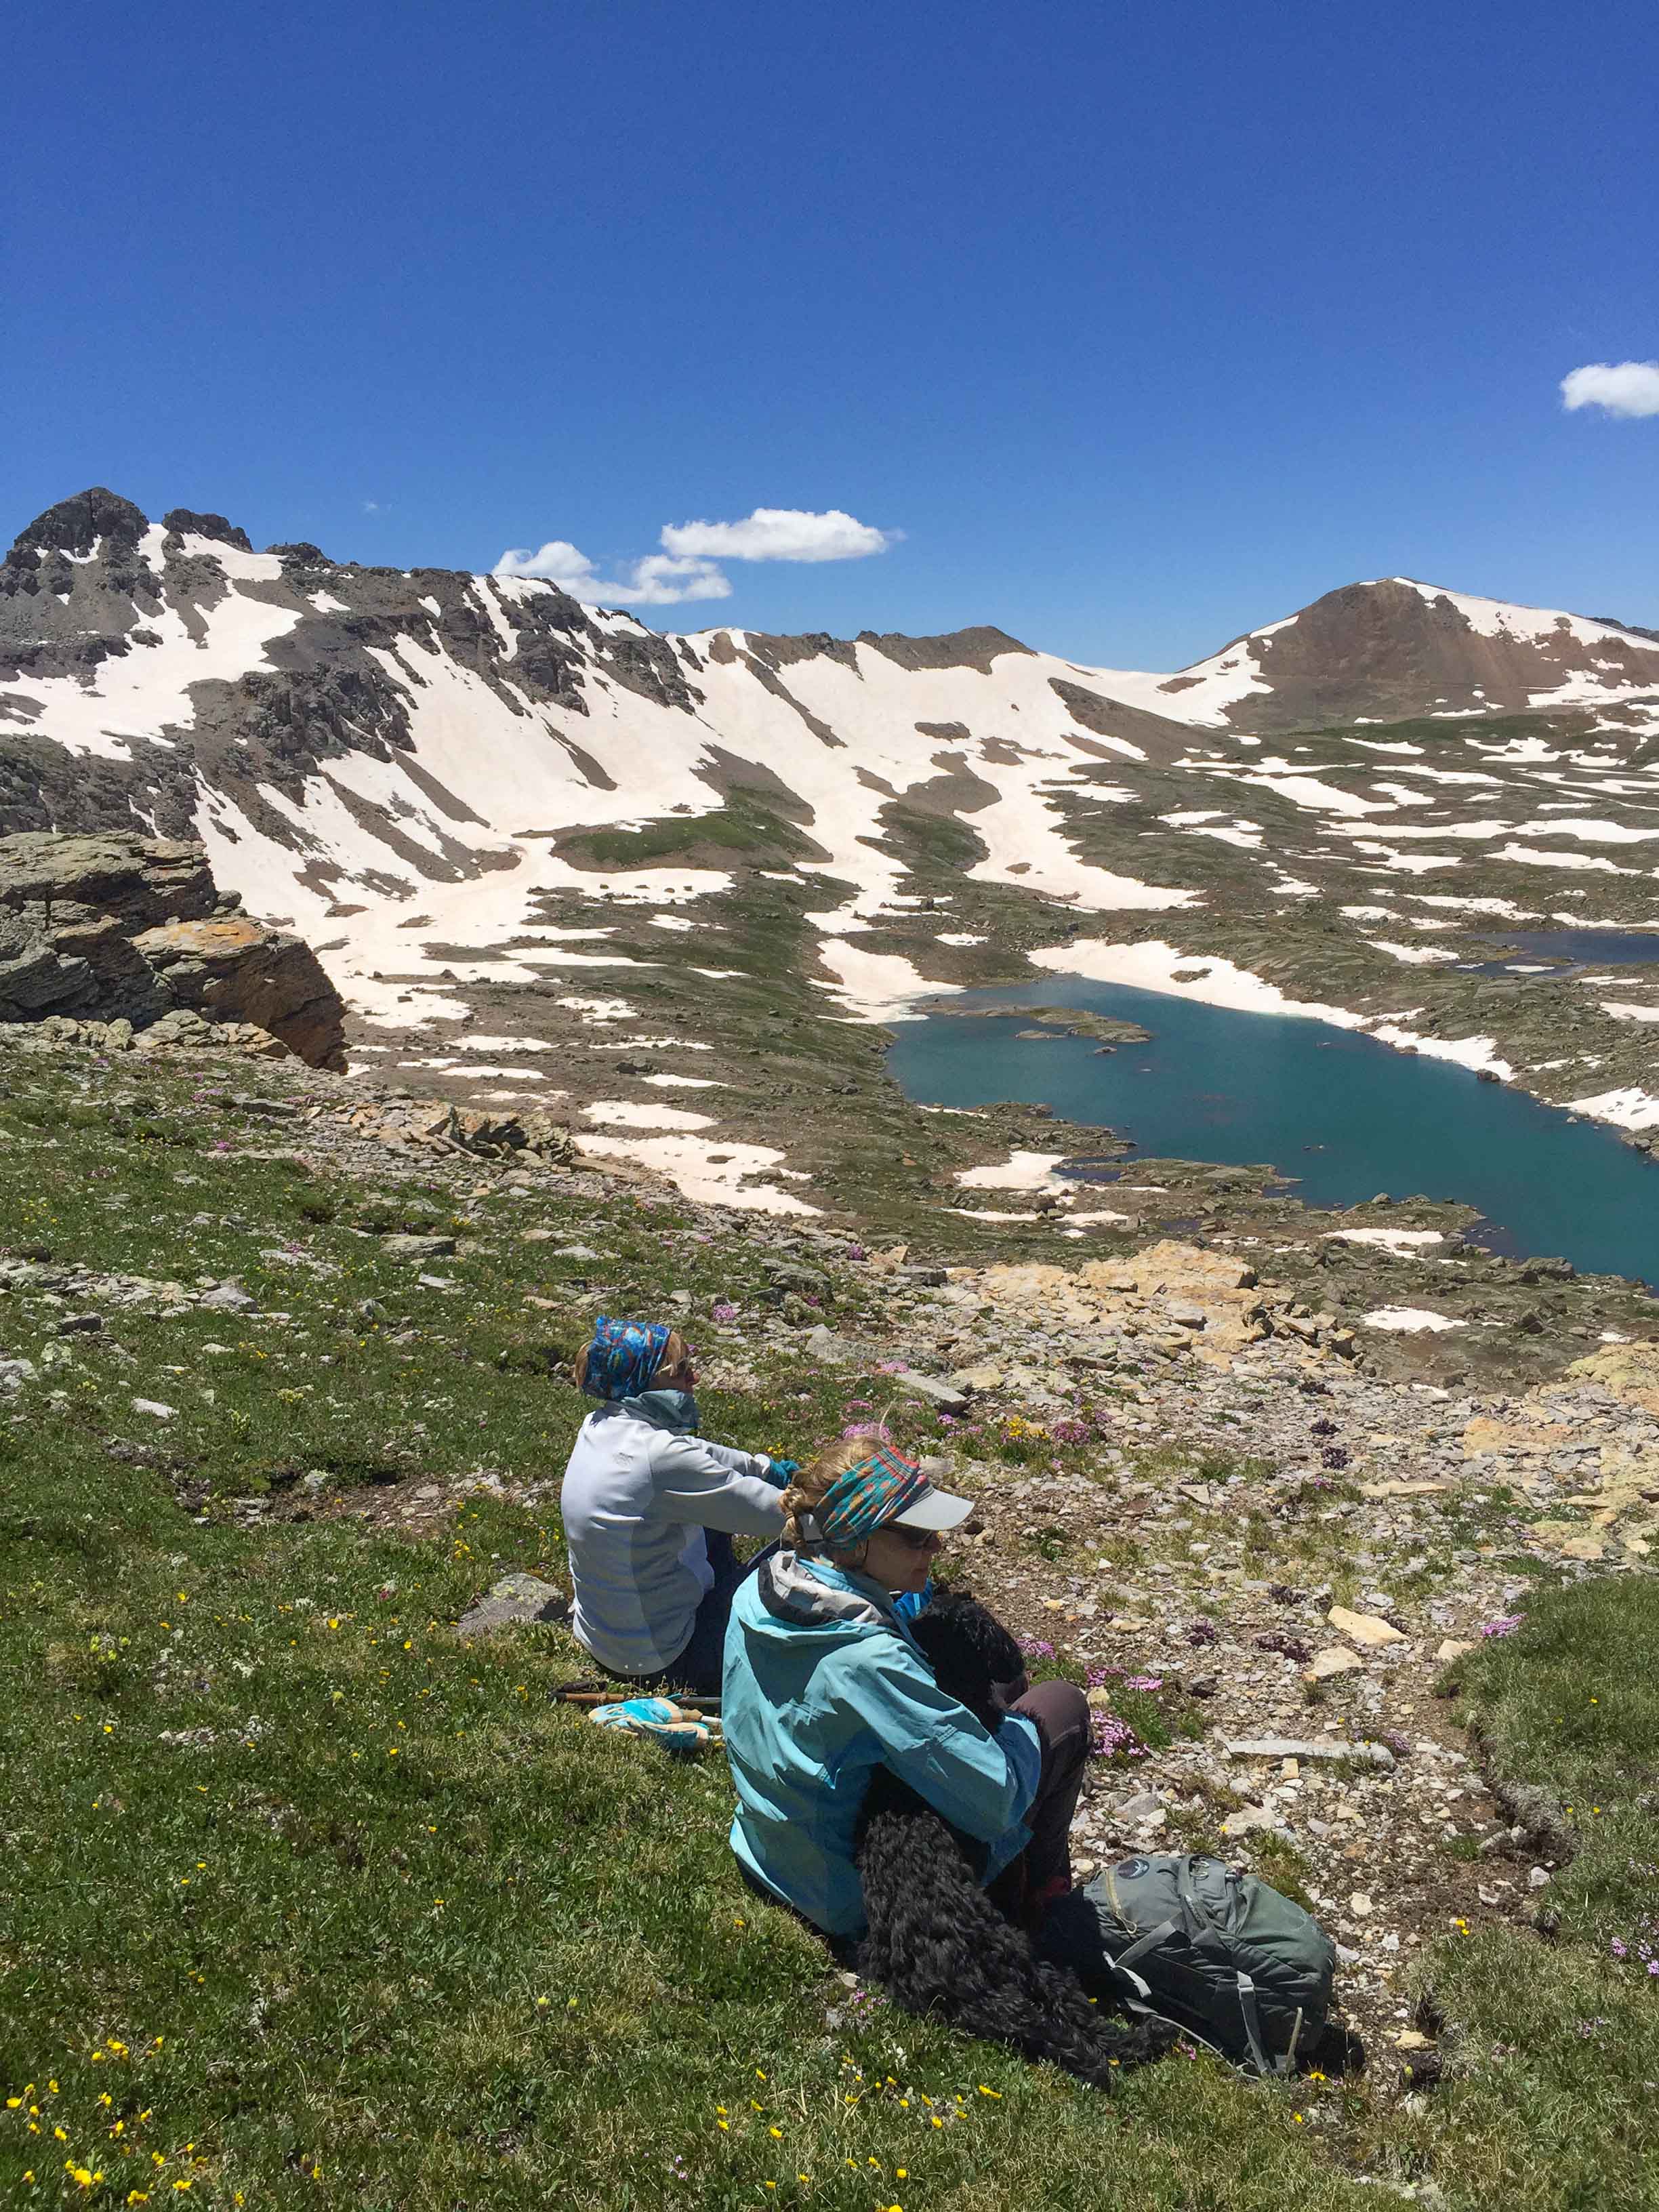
(650, 1510)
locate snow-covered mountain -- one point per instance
(1387, 651)
(382, 740)
(420, 770)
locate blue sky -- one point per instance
(1143, 325)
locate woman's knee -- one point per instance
(1060, 1711)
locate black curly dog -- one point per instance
(936, 1942)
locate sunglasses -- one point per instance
(919, 1540)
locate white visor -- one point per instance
(933, 1509)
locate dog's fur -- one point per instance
(936, 1942)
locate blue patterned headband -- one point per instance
(623, 1357)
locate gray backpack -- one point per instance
(1234, 1965)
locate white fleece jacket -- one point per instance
(636, 1500)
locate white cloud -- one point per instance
(660, 579)
(688, 566)
(1620, 387)
(780, 533)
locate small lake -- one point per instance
(1340, 1116)
(1567, 952)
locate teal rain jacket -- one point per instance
(821, 1685)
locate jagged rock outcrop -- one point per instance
(438, 1126)
(133, 931)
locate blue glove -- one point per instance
(780, 1473)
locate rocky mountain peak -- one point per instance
(76, 525)
(180, 521)
(1395, 647)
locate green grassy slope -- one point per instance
(311, 1901)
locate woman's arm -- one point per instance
(698, 1483)
(933, 1743)
(740, 1462)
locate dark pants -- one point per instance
(696, 1672)
(1042, 1871)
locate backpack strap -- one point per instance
(1148, 1941)
(1253, 2037)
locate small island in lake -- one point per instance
(1052, 1022)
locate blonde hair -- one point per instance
(806, 1492)
(676, 1354)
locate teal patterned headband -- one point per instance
(858, 1503)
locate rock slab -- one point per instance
(111, 929)
(513, 1598)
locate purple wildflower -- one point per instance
(1334, 1456)
(1143, 1682)
(1200, 1633)
(1035, 1648)
(1505, 1624)
(723, 1310)
(1115, 1739)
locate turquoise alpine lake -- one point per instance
(1340, 1116)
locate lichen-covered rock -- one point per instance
(1630, 1371)
(235, 969)
(111, 929)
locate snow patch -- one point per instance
(1625, 1109)
(1471, 1052)
(1207, 980)
(875, 986)
(1387, 1240)
(711, 1172)
(1413, 956)
(1408, 1320)
(637, 1114)
(1019, 1171)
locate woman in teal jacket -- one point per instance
(824, 1684)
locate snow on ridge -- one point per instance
(240, 567)
(144, 692)
(1508, 618)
